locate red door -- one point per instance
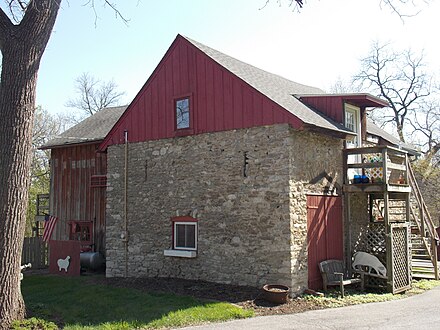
(324, 234)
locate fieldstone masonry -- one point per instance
(246, 187)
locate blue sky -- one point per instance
(317, 46)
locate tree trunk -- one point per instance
(22, 47)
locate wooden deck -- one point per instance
(376, 188)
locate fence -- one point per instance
(36, 252)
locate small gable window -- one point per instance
(182, 113)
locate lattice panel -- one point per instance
(373, 241)
(400, 257)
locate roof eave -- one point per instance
(67, 144)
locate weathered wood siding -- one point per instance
(72, 198)
(219, 100)
(35, 252)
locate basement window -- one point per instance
(185, 230)
(182, 113)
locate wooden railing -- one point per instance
(424, 221)
(376, 165)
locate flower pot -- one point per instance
(276, 293)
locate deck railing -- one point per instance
(424, 222)
(378, 165)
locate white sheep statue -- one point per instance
(23, 267)
(63, 263)
(364, 259)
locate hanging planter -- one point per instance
(276, 293)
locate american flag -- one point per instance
(49, 225)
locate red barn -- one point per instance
(221, 171)
(78, 180)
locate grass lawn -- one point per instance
(75, 304)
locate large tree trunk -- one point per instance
(22, 47)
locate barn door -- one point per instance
(324, 234)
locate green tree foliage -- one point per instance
(46, 127)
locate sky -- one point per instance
(317, 46)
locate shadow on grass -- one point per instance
(74, 303)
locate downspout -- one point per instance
(125, 201)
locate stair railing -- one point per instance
(425, 223)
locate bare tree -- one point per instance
(403, 8)
(94, 94)
(25, 29)
(425, 124)
(341, 86)
(398, 77)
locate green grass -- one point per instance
(333, 298)
(76, 304)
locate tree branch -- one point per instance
(5, 27)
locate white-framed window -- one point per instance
(353, 123)
(185, 235)
(185, 232)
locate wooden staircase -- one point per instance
(424, 237)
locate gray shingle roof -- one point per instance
(93, 128)
(277, 88)
(376, 130)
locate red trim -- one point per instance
(184, 218)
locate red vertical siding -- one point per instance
(331, 106)
(324, 234)
(219, 100)
(72, 198)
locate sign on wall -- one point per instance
(64, 258)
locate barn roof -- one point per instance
(278, 89)
(92, 129)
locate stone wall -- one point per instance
(315, 168)
(246, 188)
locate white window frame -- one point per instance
(191, 223)
(356, 112)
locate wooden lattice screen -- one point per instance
(374, 242)
(400, 257)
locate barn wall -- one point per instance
(315, 168)
(71, 197)
(252, 229)
(244, 234)
(220, 101)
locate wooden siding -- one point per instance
(35, 252)
(219, 100)
(72, 198)
(332, 107)
(324, 234)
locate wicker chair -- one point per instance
(333, 274)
